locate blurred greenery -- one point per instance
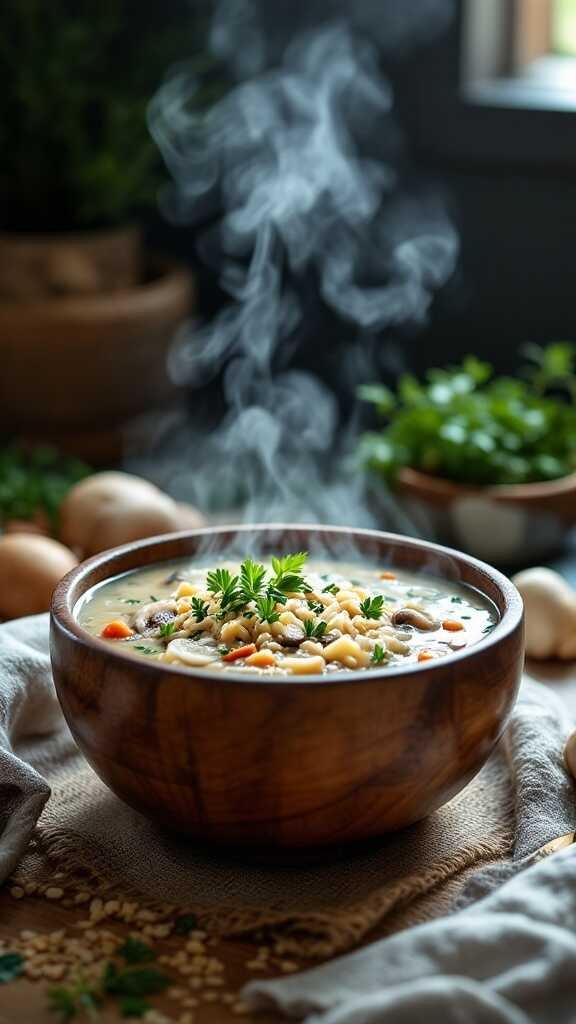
(75, 81)
(35, 483)
(564, 27)
(462, 423)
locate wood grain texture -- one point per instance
(83, 366)
(287, 762)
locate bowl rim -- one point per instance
(441, 486)
(61, 612)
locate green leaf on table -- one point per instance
(11, 966)
(135, 952)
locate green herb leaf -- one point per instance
(146, 650)
(135, 981)
(135, 952)
(167, 628)
(266, 609)
(11, 965)
(131, 600)
(287, 577)
(153, 598)
(379, 654)
(199, 609)
(251, 580)
(461, 423)
(456, 600)
(185, 924)
(223, 651)
(372, 607)
(315, 606)
(134, 1006)
(330, 589)
(314, 629)
(78, 999)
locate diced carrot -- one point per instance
(117, 630)
(262, 659)
(388, 576)
(452, 625)
(426, 656)
(240, 652)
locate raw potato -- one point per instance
(108, 509)
(30, 568)
(550, 607)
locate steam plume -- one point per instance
(300, 160)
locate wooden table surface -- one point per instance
(24, 1002)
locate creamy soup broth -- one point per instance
(294, 619)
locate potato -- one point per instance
(109, 509)
(30, 568)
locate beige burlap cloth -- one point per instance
(318, 906)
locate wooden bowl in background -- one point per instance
(286, 762)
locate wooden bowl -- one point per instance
(286, 762)
(513, 525)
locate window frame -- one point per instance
(458, 122)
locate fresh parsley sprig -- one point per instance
(372, 607)
(379, 654)
(199, 609)
(314, 630)
(224, 585)
(287, 574)
(167, 628)
(266, 607)
(252, 576)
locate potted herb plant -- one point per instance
(483, 462)
(86, 314)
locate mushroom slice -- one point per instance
(292, 636)
(412, 617)
(187, 651)
(154, 614)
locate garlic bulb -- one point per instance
(550, 607)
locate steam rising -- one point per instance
(300, 163)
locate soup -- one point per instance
(288, 618)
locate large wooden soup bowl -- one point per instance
(287, 762)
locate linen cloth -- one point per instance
(320, 906)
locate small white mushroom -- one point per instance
(190, 653)
(414, 617)
(154, 614)
(550, 608)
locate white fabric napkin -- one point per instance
(28, 707)
(507, 957)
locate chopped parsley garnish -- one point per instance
(134, 981)
(70, 1001)
(465, 616)
(315, 606)
(251, 580)
(379, 654)
(199, 609)
(167, 628)
(456, 600)
(287, 579)
(222, 582)
(372, 607)
(11, 965)
(185, 923)
(135, 952)
(314, 629)
(132, 600)
(267, 608)
(146, 650)
(223, 651)
(330, 589)
(153, 598)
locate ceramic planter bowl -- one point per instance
(321, 759)
(513, 526)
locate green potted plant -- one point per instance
(483, 462)
(86, 314)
